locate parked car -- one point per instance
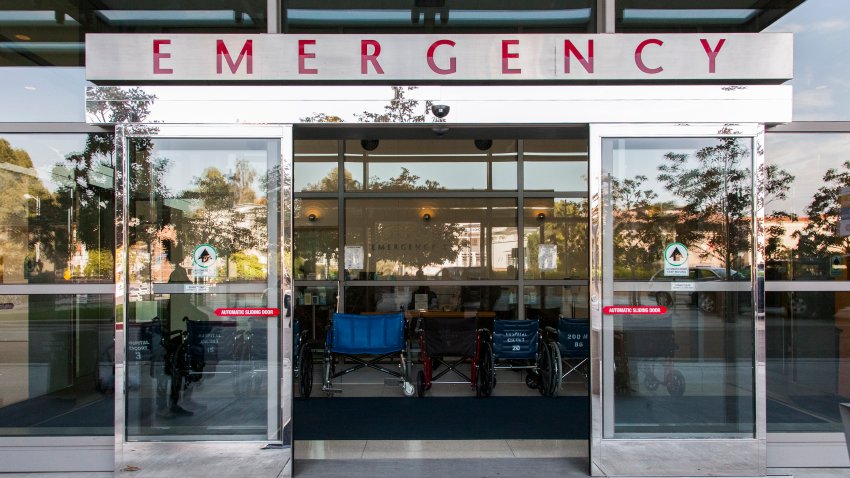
(707, 301)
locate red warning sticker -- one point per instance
(634, 309)
(247, 311)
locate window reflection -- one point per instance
(57, 365)
(54, 34)
(731, 16)
(687, 371)
(432, 17)
(820, 35)
(56, 215)
(555, 165)
(411, 165)
(807, 342)
(556, 238)
(193, 197)
(431, 239)
(316, 239)
(315, 166)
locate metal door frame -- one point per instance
(668, 456)
(282, 394)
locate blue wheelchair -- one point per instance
(518, 345)
(367, 340)
(572, 350)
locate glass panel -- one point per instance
(438, 165)
(488, 301)
(316, 239)
(316, 166)
(555, 238)
(194, 193)
(201, 211)
(820, 36)
(53, 33)
(548, 302)
(56, 364)
(687, 372)
(430, 239)
(728, 16)
(555, 165)
(314, 306)
(34, 95)
(808, 343)
(463, 16)
(56, 208)
(808, 363)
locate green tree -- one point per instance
(822, 236)
(716, 190)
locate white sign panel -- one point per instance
(353, 257)
(676, 260)
(486, 57)
(547, 257)
(683, 286)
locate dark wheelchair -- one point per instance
(366, 340)
(572, 351)
(440, 337)
(303, 353)
(518, 345)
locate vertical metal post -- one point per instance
(121, 179)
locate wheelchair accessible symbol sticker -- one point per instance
(676, 260)
(204, 256)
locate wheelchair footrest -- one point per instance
(331, 390)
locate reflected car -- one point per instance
(707, 301)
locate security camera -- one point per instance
(440, 111)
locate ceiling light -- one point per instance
(22, 37)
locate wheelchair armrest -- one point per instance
(551, 330)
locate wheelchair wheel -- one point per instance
(486, 372)
(557, 369)
(305, 366)
(420, 384)
(532, 379)
(546, 371)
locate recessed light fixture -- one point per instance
(22, 37)
(29, 88)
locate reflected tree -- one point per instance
(226, 214)
(639, 225)
(716, 215)
(822, 235)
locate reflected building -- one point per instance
(190, 193)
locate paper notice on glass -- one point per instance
(353, 257)
(546, 257)
(420, 301)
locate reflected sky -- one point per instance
(821, 48)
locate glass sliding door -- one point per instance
(678, 310)
(202, 281)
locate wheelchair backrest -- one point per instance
(454, 336)
(574, 337)
(366, 334)
(515, 339)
